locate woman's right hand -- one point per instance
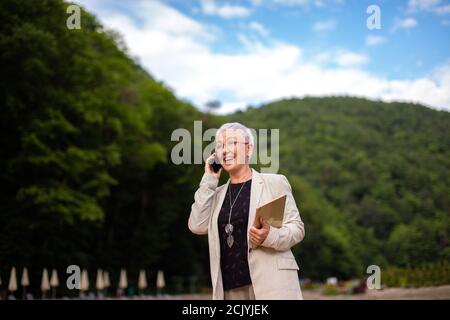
(208, 167)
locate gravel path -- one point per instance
(426, 293)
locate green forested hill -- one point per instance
(87, 177)
(85, 156)
(372, 179)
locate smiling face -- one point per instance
(233, 150)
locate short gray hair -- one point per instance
(246, 132)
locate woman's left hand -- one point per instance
(257, 236)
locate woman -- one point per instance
(246, 263)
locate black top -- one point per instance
(233, 261)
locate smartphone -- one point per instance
(215, 165)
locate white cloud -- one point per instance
(432, 90)
(293, 2)
(317, 3)
(258, 27)
(323, 58)
(230, 107)
(442, 9)
(423, 4)
(256, 2)
(324, 25)
(351, 59)
(339, 58)
(225, 11)
(435, 6)
(177, 50)
(406, 23)
(372, 40)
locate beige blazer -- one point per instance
(273, 269)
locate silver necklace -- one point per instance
(229, 227)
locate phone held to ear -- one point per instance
(215, 164)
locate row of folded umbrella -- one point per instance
(102, 280)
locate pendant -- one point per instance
(230, 240)
(229, 228)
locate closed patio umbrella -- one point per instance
(106, 281)
(142, 281)
(100, 282)
(160, 282)
(25, 282)
(123, 282)
(45, 283)
(12, 286)
(54, 282)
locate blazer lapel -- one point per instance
(255, 196)
(215, 232)
(220, 198)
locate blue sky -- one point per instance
(248, 52)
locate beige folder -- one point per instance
(272, 212)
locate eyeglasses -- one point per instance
(229, 144)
